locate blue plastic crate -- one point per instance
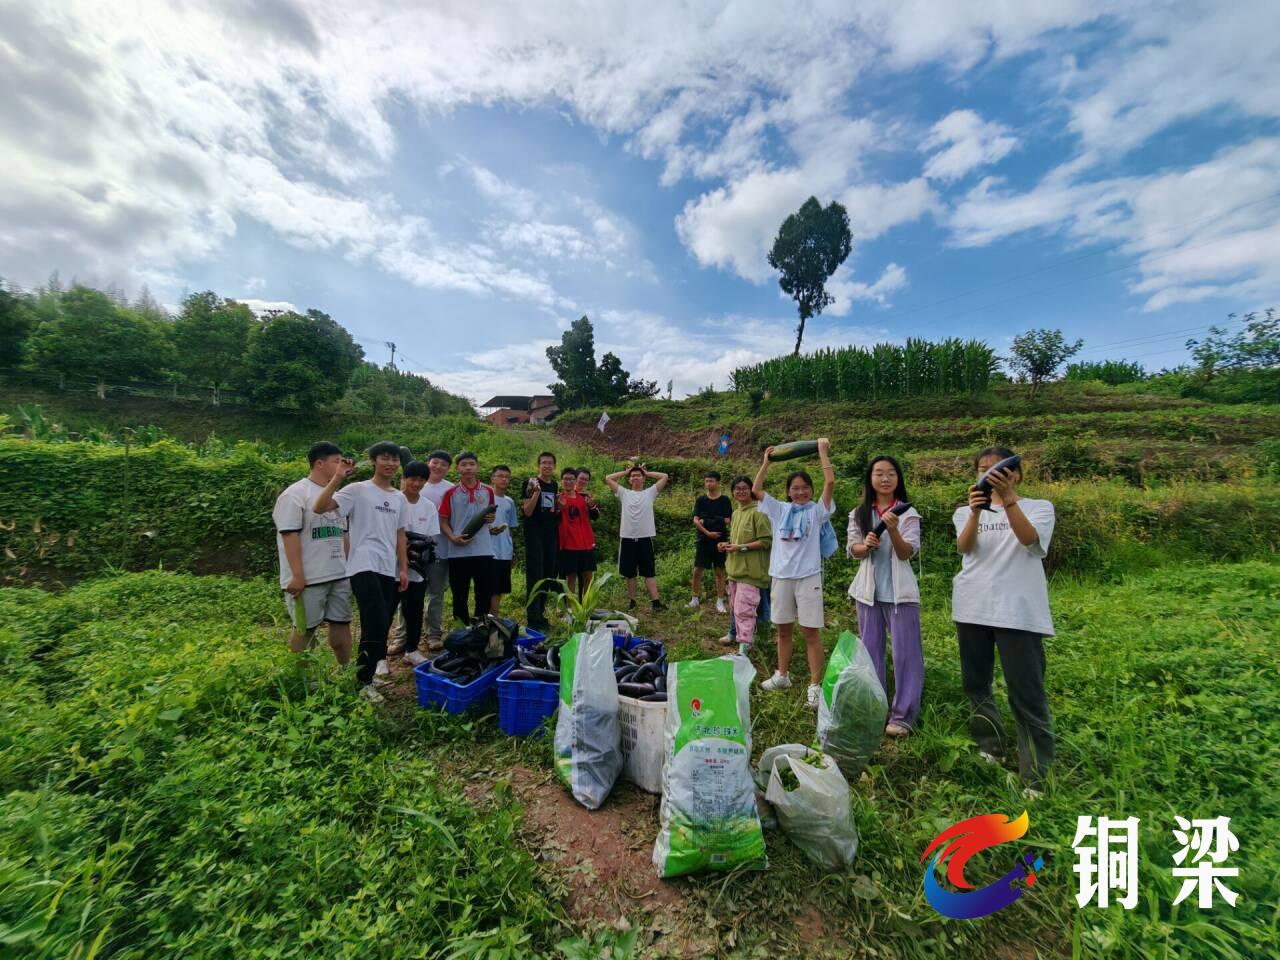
(524, 704)
(437, 691)
(530, 637)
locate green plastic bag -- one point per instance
(708, 813)
(852, 708)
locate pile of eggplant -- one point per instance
(537, 663)
(641, 671)
(460, 668)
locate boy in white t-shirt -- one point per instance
(637, 529)
(1000, 601)
(506, 519)
(438, 462)
(795, 564)
(313, 557)
(423, 519)
(377, 560)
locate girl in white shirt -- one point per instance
(1000, 601)
(795, 566)
(885, 592)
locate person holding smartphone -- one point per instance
(378, 560)
(541, 506)
(1000, 602)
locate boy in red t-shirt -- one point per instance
(577, 539)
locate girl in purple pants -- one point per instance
(885, 591)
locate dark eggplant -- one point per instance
(519, 674)
(659, 696)
(984, 482)
(660, 684)
(898, 509)
(635, 689)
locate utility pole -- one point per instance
(393, 353)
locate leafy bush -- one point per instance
(172, 788)
(1068, 456)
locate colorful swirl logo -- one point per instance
(956, 845)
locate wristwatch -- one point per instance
(743, 548)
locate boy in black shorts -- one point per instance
(711, 515)
(637, 528)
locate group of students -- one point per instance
(767, 555)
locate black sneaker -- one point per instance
(659, 605)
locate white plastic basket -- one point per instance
(642, 722)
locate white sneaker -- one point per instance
(779, 681)
(370, 693)
(381, 682)
(382, 670)
(988, 757)
(726, 640)
(720, 606)
(811, 698)
(1031, 793)
(693, 602)
(415, 657)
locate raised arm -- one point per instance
(324, 499)
(757, 488)
(612, 479)
(530, 503)
(967, 538)
(661, 479)
(828, 474)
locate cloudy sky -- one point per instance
(466, 178)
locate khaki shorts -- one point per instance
(794, 600)
(320, 603)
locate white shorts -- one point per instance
(320, 603)
(801, 599)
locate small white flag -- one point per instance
(604, 422)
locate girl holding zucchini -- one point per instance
(795, 564)
(1000, 601)
(884, 533)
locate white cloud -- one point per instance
(260, 307)
(1210, 230)
(130, 151)
(652, 347)
(841, 286)
(964, 142)
(735, 226)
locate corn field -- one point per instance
(883, 372)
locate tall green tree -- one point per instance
(1037, 354)
(1254, 346)
(16, 324)
(810, 246)
(583, 383)
(92, 336)
(304, 360)
(212, 337)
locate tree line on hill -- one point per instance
(278, 359)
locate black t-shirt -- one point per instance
(714, 514)
(545, 519)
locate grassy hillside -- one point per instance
(172, 783)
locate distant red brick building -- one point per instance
(505, 410)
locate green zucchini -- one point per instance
(793, 450)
